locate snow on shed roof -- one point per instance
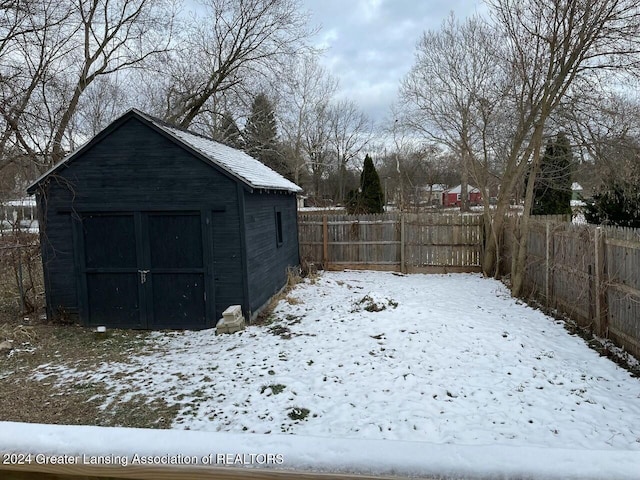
(235, 162)
(253, 172)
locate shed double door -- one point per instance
(144, 270)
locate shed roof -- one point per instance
(436, 187)
(237, 163)
(458, 189)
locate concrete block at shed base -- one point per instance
(232, 320)
(233, 313)
(224, 327)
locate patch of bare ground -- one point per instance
(25, 398)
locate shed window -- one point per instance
(279, 236)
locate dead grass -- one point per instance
(17, 333)
(294, 276)
(25, 399)
(292, 300)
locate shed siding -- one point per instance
(266, 261)
(58, 262)
(135, 168)
(227, 261)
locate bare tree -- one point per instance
(410, 171)
(51, 61)
(101, 103)
(235, 41)
(109, 36)
(350, 132)
(316, 135)
(307, 91)
(548, 46)
(31, 44)
(606, 130)
(539, 50)
(453, 91)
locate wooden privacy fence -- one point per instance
(405, 242)
(590, 273)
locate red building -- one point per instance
(451, 197)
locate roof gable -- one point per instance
(236, 163)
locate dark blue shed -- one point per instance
(151, 226)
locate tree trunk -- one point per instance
(520, 254)
(494, 225)
(464, 184)
(342, 180)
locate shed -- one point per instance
(151, 226)
(451, 197)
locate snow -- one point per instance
(436, 187)
(407, 375)
(579, 219)
(294, 452)
(21, 202)
(458, 189)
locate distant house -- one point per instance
(577, 200)
(151, 226)
(451, 197)
(20, 213)
(576, 191)
(432, 194)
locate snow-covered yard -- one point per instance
(441, 359)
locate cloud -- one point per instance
(369, 8)
(370, 44)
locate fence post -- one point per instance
(20, 282)
(601, 318)
(325, 242)
(402, 244)
(547, 270)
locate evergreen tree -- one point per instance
(370, 198)
(228, 132)
(552, 190)
(370, 188)
(261, 135)
(615, 204)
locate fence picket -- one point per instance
(404, 242)
(593, 275)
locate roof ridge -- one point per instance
(165, 123)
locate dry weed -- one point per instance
(293, 278)
(292, 300)
(19, 333)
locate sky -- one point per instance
(370, 44)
